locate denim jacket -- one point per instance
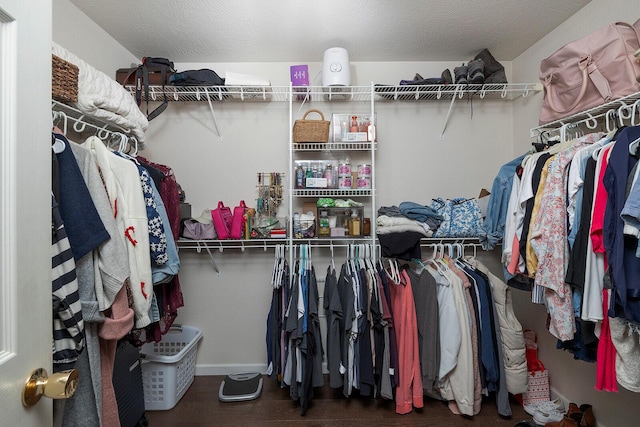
(493, 228)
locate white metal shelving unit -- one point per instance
(352, 94)
(298, 97)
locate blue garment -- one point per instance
(578, 205)
(164, 273)
(82, 222)
(488, 351)
(624, 266)
(494, 222)
(420, 212)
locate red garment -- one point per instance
(606, 358)
(169, 194)
(515, 256)
(114, 328)
(409, 390)
(599, 206)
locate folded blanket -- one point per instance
(101, 97)
(386, 224)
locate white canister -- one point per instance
(364, 171)
(364, 182)
(344, 182)
(344, 169)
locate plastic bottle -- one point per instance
(328, 175)
(324, 224)
(297, 226)
(354, 224)
(354, 124)
(300, 176)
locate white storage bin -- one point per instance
(168, 367)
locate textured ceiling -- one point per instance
(301, 30)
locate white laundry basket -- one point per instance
(168, 367)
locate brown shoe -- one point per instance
(588, 419)
(565, 422)
(574, 413)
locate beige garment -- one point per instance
(513, 348)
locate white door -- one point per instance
(25, 208)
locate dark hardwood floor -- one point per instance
(200, 407)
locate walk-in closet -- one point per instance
(334, 299)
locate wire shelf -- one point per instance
(505, 91)
(332, 192)
(333, 146)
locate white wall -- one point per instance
(73, 30)
(574, 380)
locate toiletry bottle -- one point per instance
(354, 124)
(328, 175)
(354, 224)
(324, 224)
(300, 175)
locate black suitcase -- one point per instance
(127, 384)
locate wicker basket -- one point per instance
(311, 130)
(64, 80)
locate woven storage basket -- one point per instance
(311, 130)
(64, 80)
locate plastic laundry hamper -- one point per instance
(168, 367)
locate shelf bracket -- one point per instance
(446, 120)
(213, 114)
(213, 262)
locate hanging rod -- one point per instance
(625, 108)
(80, 121)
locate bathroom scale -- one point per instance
(240, 387)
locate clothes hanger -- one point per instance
(333, 264)
(57, 144)
(56, 115)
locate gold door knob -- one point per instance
(60, 385)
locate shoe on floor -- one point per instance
(564, 422)
(588, 419)
(549, 405)
(543, 417)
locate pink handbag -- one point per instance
(238, 221)
(590, 71)
(222, 218)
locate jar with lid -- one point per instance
(354, 224)
(324, 224)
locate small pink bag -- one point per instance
(222, 219)
(237, 224)
(590, 71)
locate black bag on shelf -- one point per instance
(204, 77)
